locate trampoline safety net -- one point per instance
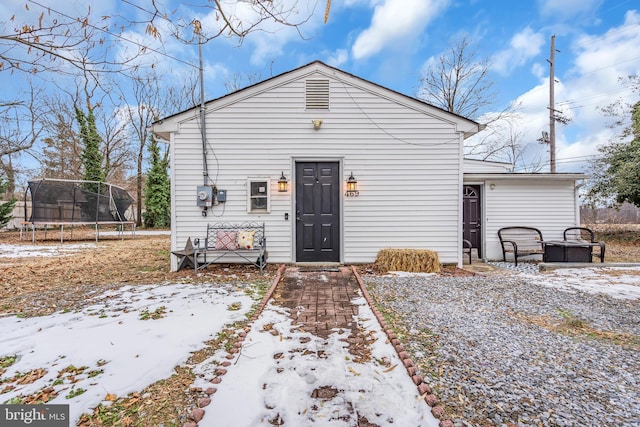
(67, 201)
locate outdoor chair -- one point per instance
(585, 235)
(466, 248)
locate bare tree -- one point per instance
(116, 149)
(49, 40)
(60, 155)
(502, 141)
(19, 130)
(233, 19)
(147, 100)
(238, 81)
(457, 81)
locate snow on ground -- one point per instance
(33, 250)
(274, 377)
(128, 339)
(617, 282)
(132, 337)
(21, 251)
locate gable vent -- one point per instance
(317, 95)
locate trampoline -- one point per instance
(60, 202)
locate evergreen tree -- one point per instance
(157, 191)
(615, 175)
(6, 208)
(91, 155)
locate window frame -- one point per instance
(251, 197)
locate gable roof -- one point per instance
(468, 126)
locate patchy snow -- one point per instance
(122, 352)
(274, 377)
(127, 233)
(617, 282)
(21, 251)
(109, 348)
(408, 274)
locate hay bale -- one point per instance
(411, 260)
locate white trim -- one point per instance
(267, 189)
(523, 176)
(173, 219)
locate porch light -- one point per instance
(282, 183)
(352, 187)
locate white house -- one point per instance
(318, 126)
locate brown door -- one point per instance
(471, 226)
(317, 212)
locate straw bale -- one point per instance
(410, 260)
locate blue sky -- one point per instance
(389, 42)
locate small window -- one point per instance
(258, 200)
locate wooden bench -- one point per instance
(520, 241)
(246, 240)
(585, 235)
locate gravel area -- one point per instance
(502, 350)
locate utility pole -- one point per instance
(552, 107)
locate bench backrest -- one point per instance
(579, 234)
(223, 227)
(524, 237)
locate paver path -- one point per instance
(319, 299)
(317, 356)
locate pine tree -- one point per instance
(157, 191)
(6, 208)
(91, 156)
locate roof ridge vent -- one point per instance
(317, 94)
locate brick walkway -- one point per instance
(319, 299)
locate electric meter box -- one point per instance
(204, 196)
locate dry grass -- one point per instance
(568, 324)
(42, 285)
(411, 260)
(622, 241)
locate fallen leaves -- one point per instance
(29, 377)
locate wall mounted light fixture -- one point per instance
(282, 183)
(352, 187)
(317, 123)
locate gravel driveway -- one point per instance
(506, 350)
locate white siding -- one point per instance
(481, 166)
(549, 205)
(407, 164)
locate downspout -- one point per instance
(576, 198)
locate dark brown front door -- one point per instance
(471, 214)
(317, 212)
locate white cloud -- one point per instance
(523, 46)
(566, 9)
(592, 82)
(338, 58)
(396, 22)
